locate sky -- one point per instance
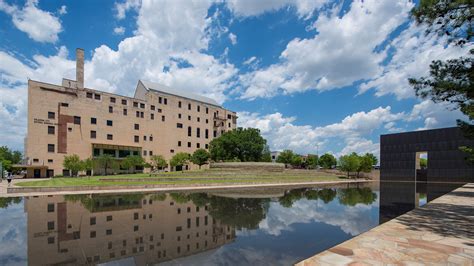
(314, 76)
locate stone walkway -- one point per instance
(439, 233)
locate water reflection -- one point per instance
(273, 226)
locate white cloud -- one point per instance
(40, 25)
(123, 7)
(233, 38)
(435, 115)
(413, 53)
(62, 10)
(119, 30)
(248, 8)
(354, 131)
(341, 53)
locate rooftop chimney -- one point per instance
(80, 68)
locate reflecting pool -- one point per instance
(247, 227)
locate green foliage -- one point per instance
(451, 80)
(179, 198)
(200, 157)
(327, 161)
(6, 164)
(266, 155)
(88, 164)
(9, 157)
(180, 159)
(5, 202)
(245, 144)
(285, 157)
(366, 163)
(106, 161)
(296, 161)
(311, 194)
(349, 163)
(133, 161)
(327, 195)
(312, 161)
(423, 163)
(73, 163)
(158, 162)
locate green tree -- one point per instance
(88, 165)
(247, 145)
(266, 155)
(327, 195)
(451, 80)
(285, 157)
(366, 163)
(73, 163)
(349, 163)
(200, 157)
(106, 161)
(423, 163)
(132, 162)
(327, 161)
(296, 161)
(180, 159)
(158, 162)
(312, 161)
(353, 196)
(13, 156)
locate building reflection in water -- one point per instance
(91, 229)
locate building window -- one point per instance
(215, 133)
(51, 240)
(179, 116)
(97, 96)
(207, 121)
(198, 145)
(198, 132)
(141, 114)
(151, 138)
(163, 118)
(51, 130)
(189, 144)
(136, 139)
(160, 100)
(93, 134)
(92, 234)
(179, 104)
(179, 125)
(51, 115)
(189, 117)
(125, 112)
(51, 225)
(108, 232)
(137, 126)
(171, 151)
(159, 110)
(199, 108)
(35, 160)
(109, 218)
(109, 123)
(92, 221)
(50, 160)
(112, 99)
(189, 131)
(179, 228)
(64, 104)
(124, 102)
(93, 120)
(50, 207)
(135, 216)
(229, 124)
(135, 104)
(77, 120)
(189, 106)
(207, 110)
(144, 138)
(151, 154)
(179, 143)
(207, 146)
(138, 113)
(89, 95)
(199, 119)
(110, 137)
(152, 107)
(142, 105)
(206, 133)
(135, 228)
(50, 147)
(111, 109)
(166, 101)
(144, 152)
(152, 116)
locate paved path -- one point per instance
(115, 190)
(439, 233)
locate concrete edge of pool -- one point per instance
(39, 191)
(439, 233)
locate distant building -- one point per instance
(275, 155)
(70, 119)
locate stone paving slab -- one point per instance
(439, 233)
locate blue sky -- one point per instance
(326, 76)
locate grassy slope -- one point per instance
(189, 178)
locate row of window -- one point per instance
(198, 145)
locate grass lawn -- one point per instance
(203, 177)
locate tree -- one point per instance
(366, 163)
(131, 162)
(285, 157)
(451, 80)
(312, 161)
(88, 165)
(106, 161)
(247, 145)
(180, 159)
(158, 162)
(327, 161)
(266, 155)
(349, 163)
(296, 161)
(73, 163)
(200, 157)
(423, 163)
(9, 157)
